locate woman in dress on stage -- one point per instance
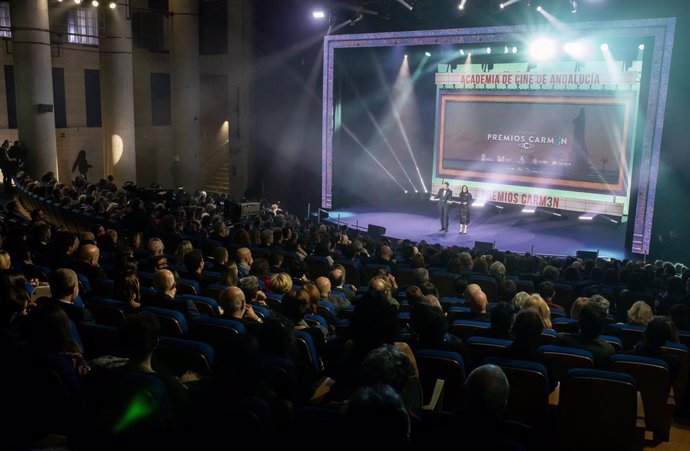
(465, 201)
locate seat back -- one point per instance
(630, 334)
(528, 401)
(565, 325)
(562, 359)
(465, 328)
(107, 312)
(444, 282)
(173, 323)
(597, 411)
(317, 266)
(307, 350)
(653, 382)
(218, 332)
(680, 385)
(205, 305)
(480, 348)
(177, 356)
(446, 365)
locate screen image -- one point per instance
(550, 141)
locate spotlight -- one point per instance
(640, 47)
(529, 209)
(587, 216)
(542, 49)
(94, 3)
(488, 50)
(462, 52)
(501, 6)
(427, 54)
(505, 49)
(112, 5)
(461, 6)
(539, 8)
(604, 47)
(406, 55)
(77, 1)
(318, 14)
(514, 49)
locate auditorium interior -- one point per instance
(219, 224)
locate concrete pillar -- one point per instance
(184, 68)
(33, 81)
(240, 57)
(117, 94)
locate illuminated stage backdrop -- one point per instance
(562, 135)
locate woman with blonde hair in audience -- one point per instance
(640, 313)
(520, 299)
(5, 261)
(183, 248)
(539, 304)
(281, 283)
(229, 275)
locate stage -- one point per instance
(511, 230)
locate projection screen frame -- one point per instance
(661, 30)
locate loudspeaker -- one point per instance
(483, 246)
(45, 108)
(587, 255)
(375, 230)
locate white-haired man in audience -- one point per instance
(477, 301)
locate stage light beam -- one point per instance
(461, 6)
(506, 4)
(406, 5)
(360, 144)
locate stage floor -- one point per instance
(540, 233)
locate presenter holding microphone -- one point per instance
(444, 197)
(465, 201)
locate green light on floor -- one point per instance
(139, 408)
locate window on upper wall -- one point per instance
(82, 26)
(213, 27)
(5, 25)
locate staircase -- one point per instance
(218, 181)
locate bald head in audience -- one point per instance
(336, 277)
(244, 255)
(90, 254)
(324, 286)
(164, 282)
(487, 390)
(476, 299)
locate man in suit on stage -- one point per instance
(444, 197)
